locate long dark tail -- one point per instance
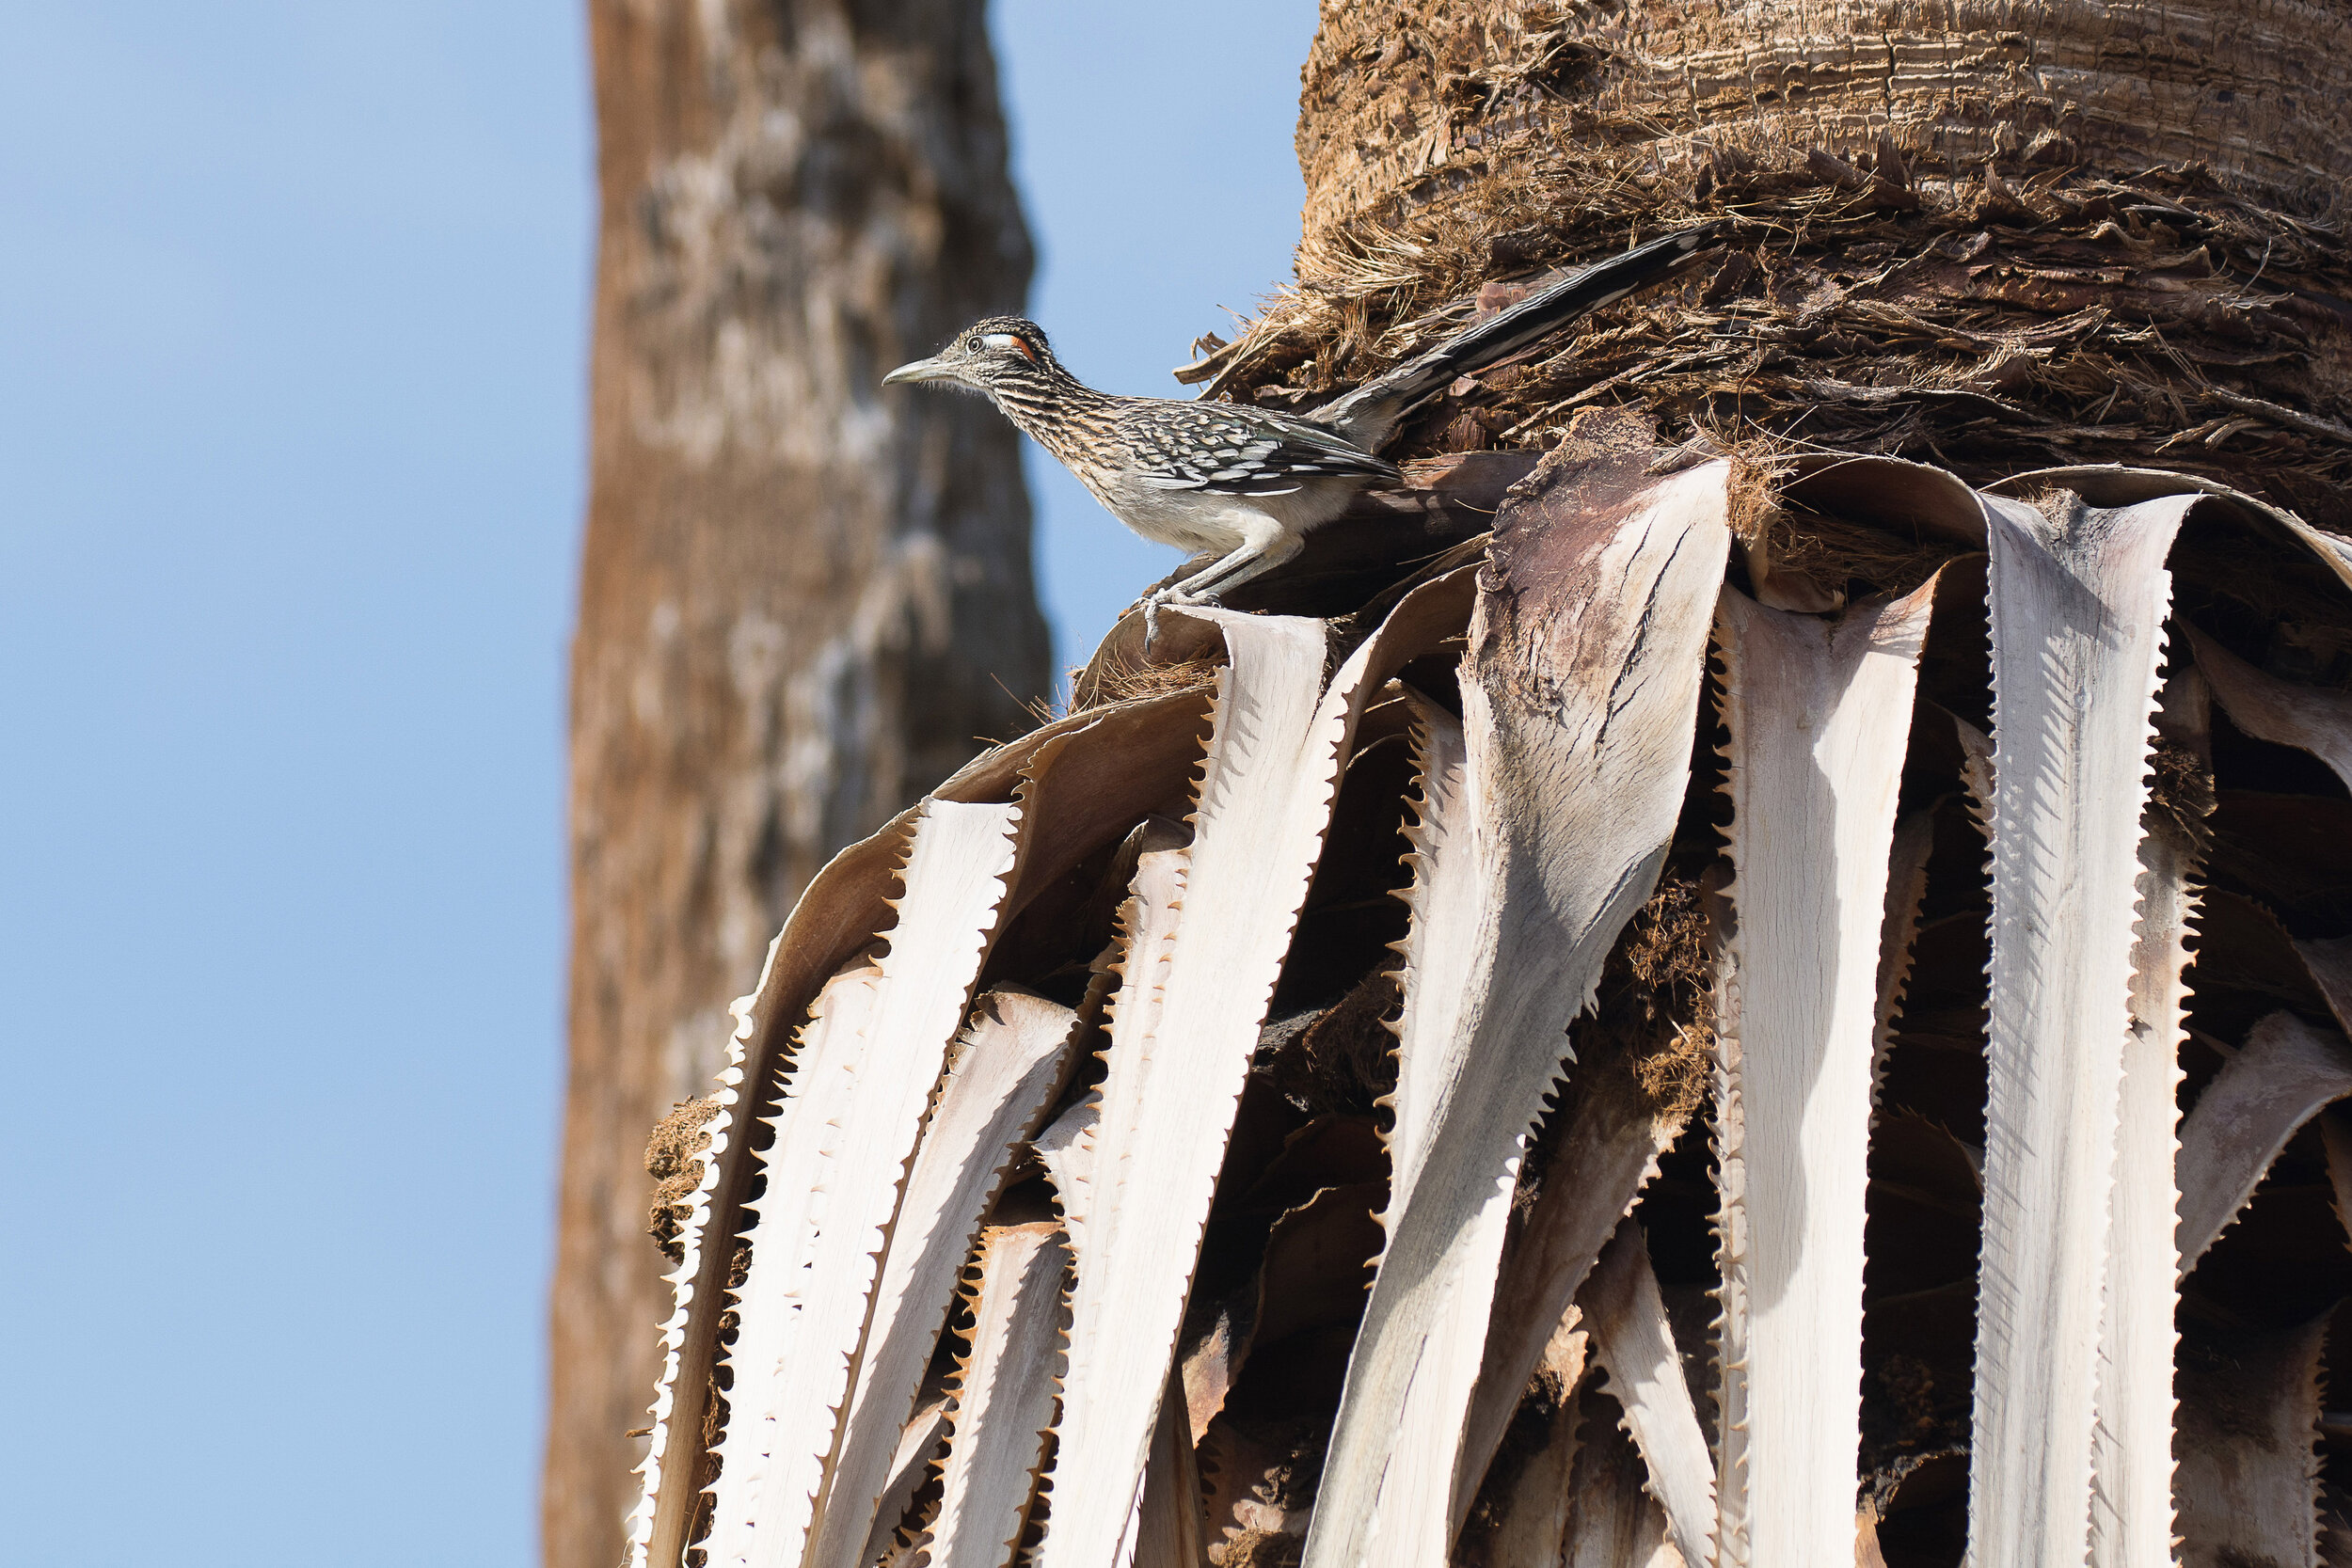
(1368, 415)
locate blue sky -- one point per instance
(292, 300)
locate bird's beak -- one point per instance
(922, 370)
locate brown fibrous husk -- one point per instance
(1119, 683)
(674, 1159)
(1991, 283)
(1655, 1008)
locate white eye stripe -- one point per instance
(1008, 342)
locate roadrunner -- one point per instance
(1250, 483)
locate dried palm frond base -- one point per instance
(1647, 1009)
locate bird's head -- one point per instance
(986, 357)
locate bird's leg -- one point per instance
(1236, 566)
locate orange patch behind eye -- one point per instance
(1012, 340)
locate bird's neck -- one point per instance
(1060, 412)
(1038, 402)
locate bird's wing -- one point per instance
(1230, 449)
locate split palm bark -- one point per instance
(1676, 993)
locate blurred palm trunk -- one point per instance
(804, 601)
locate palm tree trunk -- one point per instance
(2037, 233)
(803, 602)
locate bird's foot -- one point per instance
(1154, 602)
